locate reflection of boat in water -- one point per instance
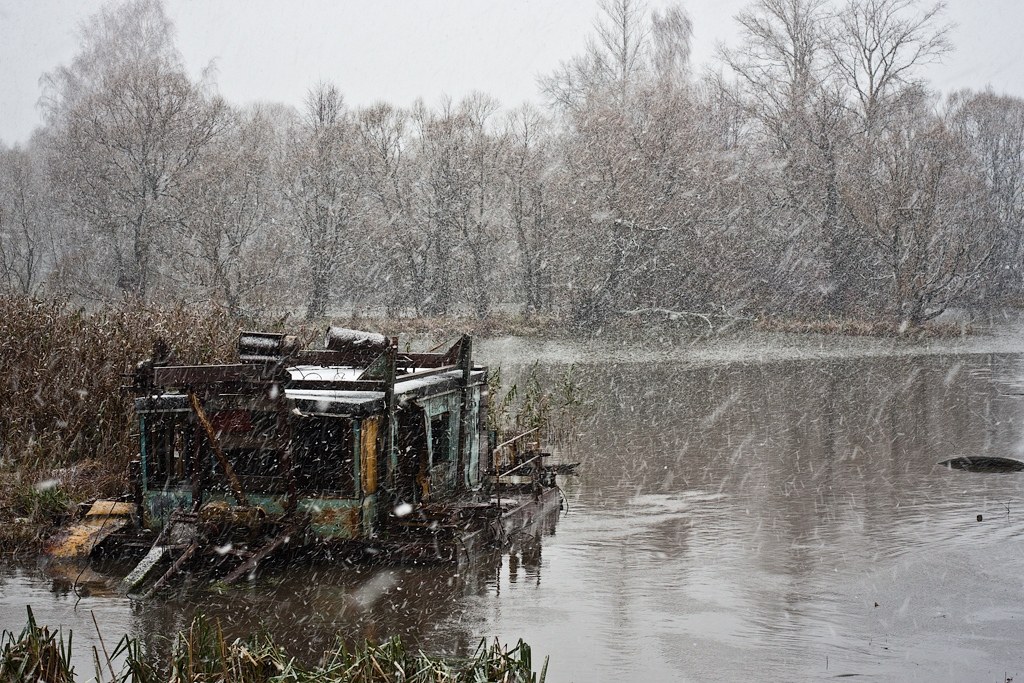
(355, 451)
(307, 607)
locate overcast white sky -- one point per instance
(398, 50)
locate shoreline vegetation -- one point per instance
(854, 327)
(66, 423)
(202, 653)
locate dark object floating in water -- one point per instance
(984, 463)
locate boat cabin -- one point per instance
(351, 437)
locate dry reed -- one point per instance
(202, 654)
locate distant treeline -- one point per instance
(808, 172)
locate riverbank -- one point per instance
(642, 323)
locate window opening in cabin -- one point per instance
(442, 476)
(412, 475)
(169, 446)
(324, 455)
(441, 438)
(250, 441)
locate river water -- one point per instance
(761, 506)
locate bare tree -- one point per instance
(481, 225)
(879, 46)
(616, 56)
(899, 153)
(131, 33)
(127, 125)
(780, 64)
(27, 222)
(323, 192)
(786, 73)
(460, 158)
(236, 205)
(528, 200)
(991, 127)
(401, 254)
(623, 162)
(923, 207)
(671, 43)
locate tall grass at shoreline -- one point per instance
(201, 653)
(66, 424)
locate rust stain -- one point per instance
(368, 454)
(339, 518)
(220, 513)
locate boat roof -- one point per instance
(349, 376)
(316, 399)
(336, 403)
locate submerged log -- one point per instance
(259, 556)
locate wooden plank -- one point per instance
(174, 568)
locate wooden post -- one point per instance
(466, 365)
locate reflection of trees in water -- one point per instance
(744, 489)
(815, 459)
(792, 426)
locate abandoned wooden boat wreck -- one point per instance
(356, 450)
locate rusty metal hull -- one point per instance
(506, 517)
(490, 526)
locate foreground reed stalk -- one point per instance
(202, 654)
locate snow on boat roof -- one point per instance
(325, 401)
(319, 373)
(414, 383)
(332, 373)
(334, 402)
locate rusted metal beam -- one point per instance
(465, 362)
(351, 358)
(198, 375)
(433, 359)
